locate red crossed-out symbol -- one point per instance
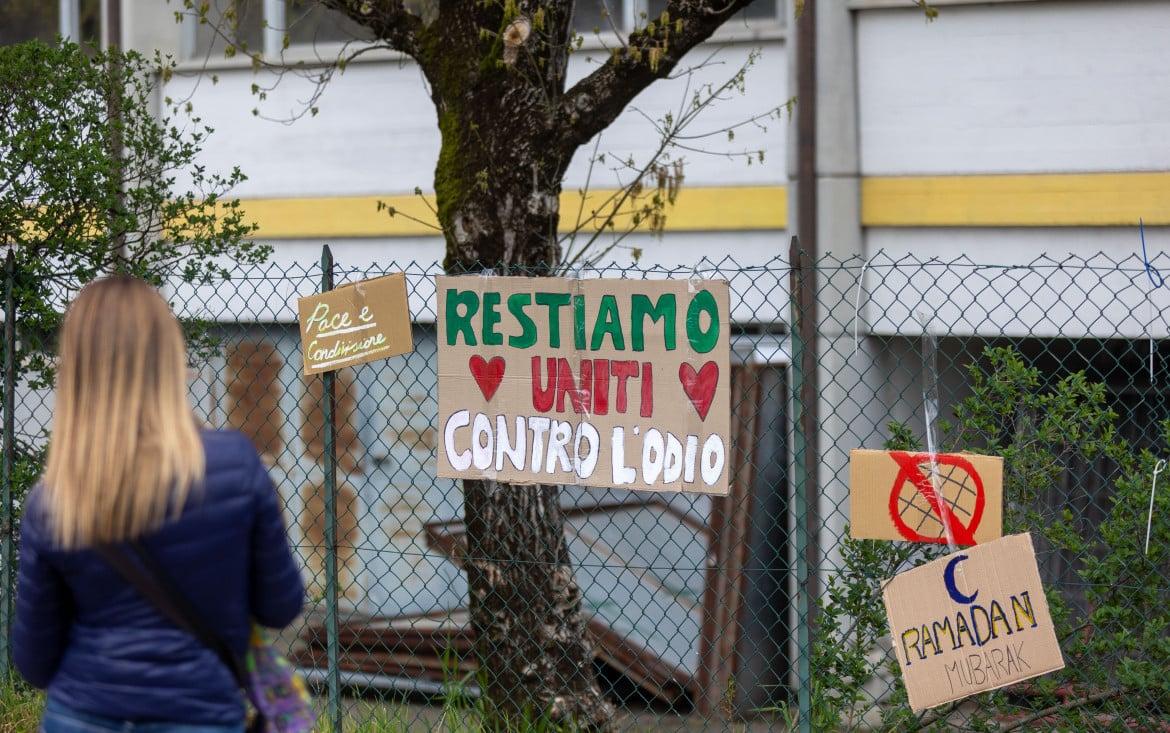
(911, 470)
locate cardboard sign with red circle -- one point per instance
(943, 498)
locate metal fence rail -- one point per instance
(755, 610)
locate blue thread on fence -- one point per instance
(1151, 271)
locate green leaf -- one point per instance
(69, 197)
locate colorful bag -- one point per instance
(281, 699)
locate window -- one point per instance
(236, 22)
(607, 16)
(310, 23)
(26, 20)
(263, 26)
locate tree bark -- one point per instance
(526, 610)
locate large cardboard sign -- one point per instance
(355, 323)
(621, 383)
(972, 621)
(897, 495)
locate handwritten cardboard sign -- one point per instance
(621, 383)
(972, 621)
(894, 496)
(355, 324)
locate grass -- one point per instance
(20, 707)
(370, 719)
(452, 716)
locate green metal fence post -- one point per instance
(331, 591)
(803, 471)
(7, 555)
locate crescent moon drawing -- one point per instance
(949, 579)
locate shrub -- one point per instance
(1112, 620)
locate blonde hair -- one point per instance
(125, 445)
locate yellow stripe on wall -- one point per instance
(696, 209)
(1090, 199)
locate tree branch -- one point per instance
(651, 53)
(1065, 706)
(389, 20)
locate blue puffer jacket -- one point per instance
(99, 647)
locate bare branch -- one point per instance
(651, 53)
(1070, 704)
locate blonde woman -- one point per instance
(128, 461)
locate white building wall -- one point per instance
(376, 131)
(1023, 89)
(1015, 88)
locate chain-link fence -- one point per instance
(753, 611)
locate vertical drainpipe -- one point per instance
(112, 36)
(68, 20)
(275, 25)
(803, 261)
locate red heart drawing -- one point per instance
(488, 374)
(700, 385)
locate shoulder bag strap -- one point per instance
(148, 577)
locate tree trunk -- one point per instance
(497, 184)
(496, 73)
(526, 610)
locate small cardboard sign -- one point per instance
(973, 621)
(892, 496)
(622, 383)
(355, 324)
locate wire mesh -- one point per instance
(754, 611)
